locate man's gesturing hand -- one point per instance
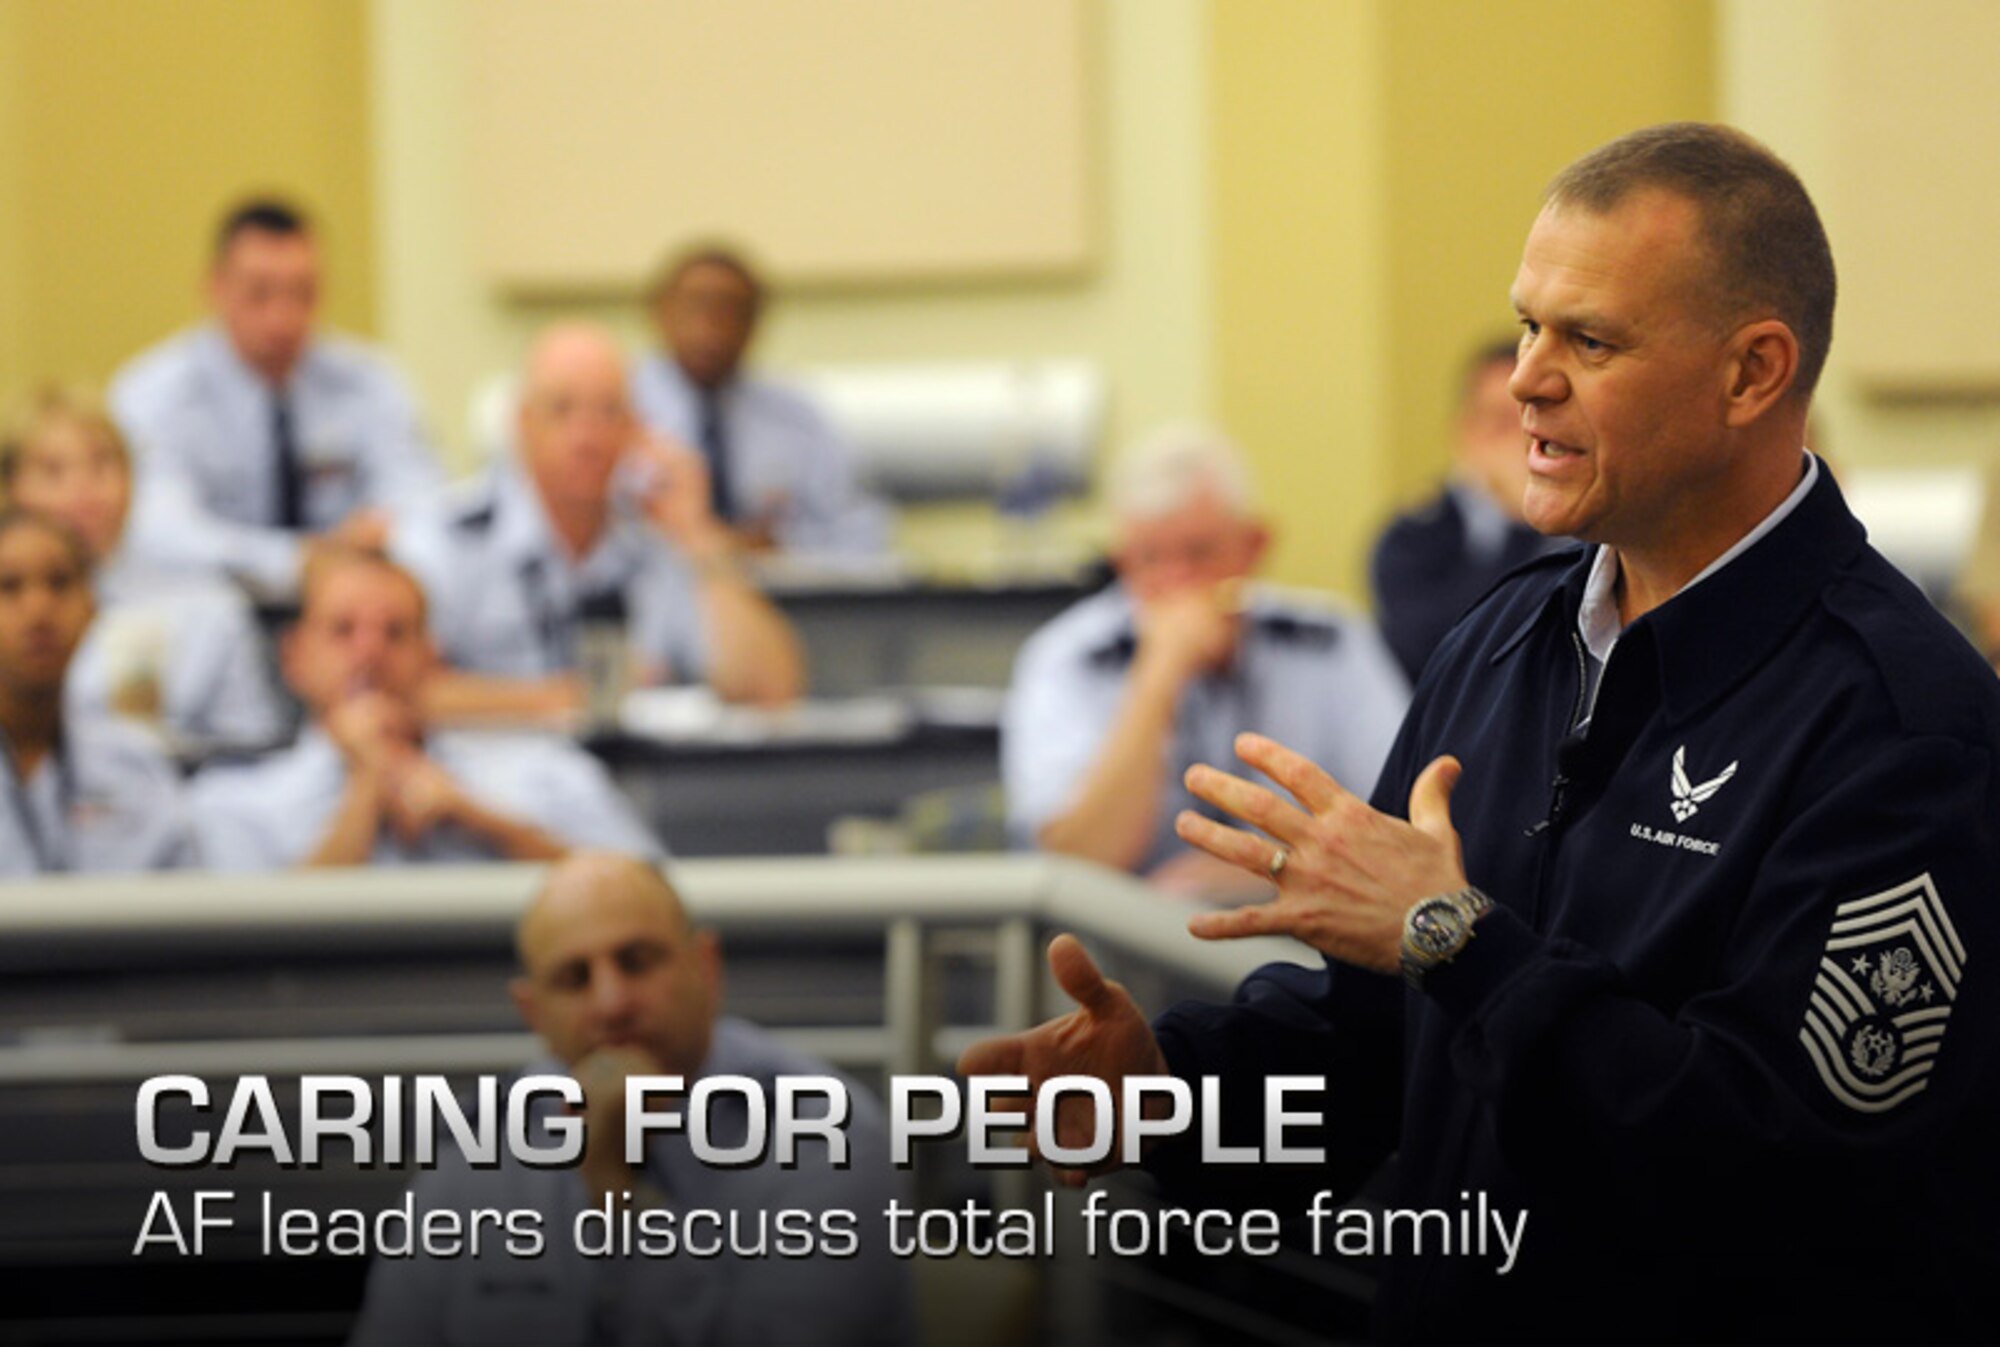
(1106, 1036)
(1351, 875)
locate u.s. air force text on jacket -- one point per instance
(1730, 1034)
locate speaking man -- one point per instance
(617, 981)
(1684, 946)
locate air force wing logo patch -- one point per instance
(1689, 797)
(1886, 984)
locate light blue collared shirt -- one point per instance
(507, 598)
(194, 638)
(1314, 678)
(786, 462)
(201, 423)
(272, 814)
(562, 1297)
(108, 802)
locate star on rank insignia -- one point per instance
(1887, 980)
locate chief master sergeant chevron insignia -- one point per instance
(1886, 985)
(1687, 798)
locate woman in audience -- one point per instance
(82, 792)
(178, 651)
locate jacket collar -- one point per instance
(1709, 636)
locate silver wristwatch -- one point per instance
(1438, 929)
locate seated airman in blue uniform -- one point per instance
(258, 432)
(368, 780)
(178, 649)
(84, 793)
(1118, 696)
(780, 475)
(590, 513)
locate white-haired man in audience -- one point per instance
(1113, 700)
(367, 782)
(618, 982)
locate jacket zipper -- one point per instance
(1559, 788)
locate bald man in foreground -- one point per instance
(617, 981)
(591, 515)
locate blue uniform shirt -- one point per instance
(106, 802)
(786, 462)
(562, 1297)
(271, 814)
(191, 639)
(1311, 677)
(201, 424)
(1729, 1033)
(507, 599)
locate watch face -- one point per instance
(1437, 928)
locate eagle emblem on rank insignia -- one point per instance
(1887, 980)
(1689, 797)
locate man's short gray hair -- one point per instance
(1173, 466)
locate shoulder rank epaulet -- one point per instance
(1312, 633)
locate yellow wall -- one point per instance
(1141, 312)
(1486, 104)
(1300, 240)
(1784, 63)
(1376, 167)
(133, 123)
(14, 353)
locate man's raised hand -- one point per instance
(1106, 1036)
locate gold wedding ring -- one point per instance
(1277, 863)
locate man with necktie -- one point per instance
(782, 477)
(257, 431)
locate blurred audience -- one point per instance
(1432, 563)
(778, 473)
(366, 781)
(592, 512)
(178, 650)
(259, 432)
(84, 793)
(1114, 700)
(618, 982)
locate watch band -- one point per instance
(1438, 929)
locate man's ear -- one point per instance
(1257, 541)
(290, 657)
(708, 948)
(522, 989)
(1763, 364)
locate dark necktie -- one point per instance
(290, 481)
(715, 448)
